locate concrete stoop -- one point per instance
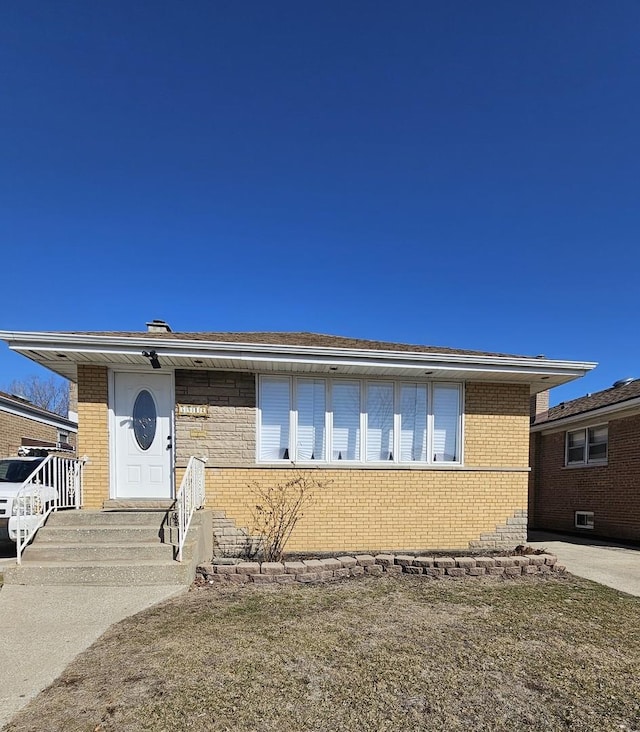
(112, 548)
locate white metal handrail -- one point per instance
(55, 483)
(189, 498)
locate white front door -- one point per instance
(142, 440)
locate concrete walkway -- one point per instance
(45, 628)
(606, 562)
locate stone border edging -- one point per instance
(323, 570)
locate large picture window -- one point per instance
(305, 419)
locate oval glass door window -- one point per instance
(144, 419)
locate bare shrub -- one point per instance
(277, 508)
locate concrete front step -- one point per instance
(114, 549)
(106, 518)
(113, 573)
(98, 534)
(140, 504)
(81, 553)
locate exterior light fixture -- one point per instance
(153, 359)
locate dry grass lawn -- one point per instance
(396, 653)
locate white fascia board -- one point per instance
(131, 345)
(591, 415)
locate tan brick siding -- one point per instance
(612, 492)
(383, 509)
(496, 425)
(93, 432)
(14, 427)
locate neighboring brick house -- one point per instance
(24, 426)
(416, 446)
(585, 459)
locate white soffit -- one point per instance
(61, 352)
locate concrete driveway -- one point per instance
(606, 562)
(45, 628)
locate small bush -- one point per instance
(277, 508)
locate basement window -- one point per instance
(584, 520)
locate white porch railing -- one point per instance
(189, 498)
(55, 483)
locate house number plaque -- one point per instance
(193, 410)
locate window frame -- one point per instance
(590, 525)
(586, 460)
(364, 384)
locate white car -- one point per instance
(13, 473)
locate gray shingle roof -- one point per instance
(605, 398)
(317, 340)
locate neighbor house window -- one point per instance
(361, 421)
(587, 445)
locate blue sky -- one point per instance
(460, 174)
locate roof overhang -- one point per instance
(618, 410)
(28, 411)
(63, 352)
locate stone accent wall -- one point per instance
(227, 434)
(343, 567)
(13, 428)
(507, 535)
(611, 491)
(93, 432)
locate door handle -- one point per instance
(169, 442)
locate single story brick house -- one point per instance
(585, 458)
(416, 446)
(24, 426)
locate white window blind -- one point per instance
(311, 408)
(345, 405)
(413, 422)
(446, 417)
(326, 419)
(274, 426)
(379, 421)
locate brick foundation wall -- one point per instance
(93, 432)
(612, 492)
(386, 509)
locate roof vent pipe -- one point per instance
(158, 326)
(623, 382)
